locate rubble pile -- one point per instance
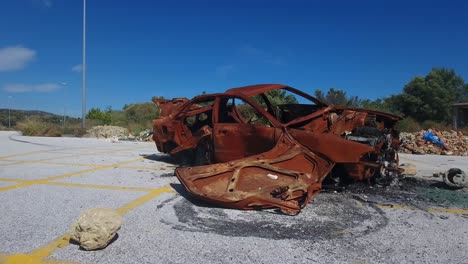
(456, 143)
(107, 132)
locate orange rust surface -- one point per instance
(279, 162)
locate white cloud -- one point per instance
(24, 88)
(15, 58)
(77, 68)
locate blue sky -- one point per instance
(140, 48)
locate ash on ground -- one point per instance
(410, 191)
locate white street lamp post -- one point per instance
(9, 111)
(83, 114)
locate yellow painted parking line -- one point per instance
(156, 167)
(35, 152)
(93, 154)
(27, 259)
(95, 186)
(56, 163)
(62, 157)
(24, 154)
(449, 210)
(128, 207)
(72, 164)
(38, 256)
(83, 185)
(143, 168)
(66, 175)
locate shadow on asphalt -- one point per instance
(159, 157)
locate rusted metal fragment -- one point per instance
(167, 107)
(286, 177)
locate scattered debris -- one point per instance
(96, 227)
(455, 178)
(114, 139)
(262, 153)
(435, 142)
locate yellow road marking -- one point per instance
(109, 187)
(46, 180)
(35, 152)
(448, 210)
(53, 163)
(93, 165)
(83, 185)
(126, 208)
(103, 155)
(65, 157)
(38, 256)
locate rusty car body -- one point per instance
(245, 149)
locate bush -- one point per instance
(435, 125)
(32, 127)
(408, 124)
(104, 118)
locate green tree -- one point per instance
(104, 117)
(430, 97)
(279, 97)
(379, 104)
(338, 97)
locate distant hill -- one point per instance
(20, 115)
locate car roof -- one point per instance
(252, 90)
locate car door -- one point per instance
(241, 130)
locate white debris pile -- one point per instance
(107, 132)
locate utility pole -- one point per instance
(64, 84)
(83, 114)
(9, 111)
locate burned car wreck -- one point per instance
(272, 146)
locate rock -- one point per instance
(96, 227)
(410, 168)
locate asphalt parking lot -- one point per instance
(46, 182)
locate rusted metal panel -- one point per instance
(236, 141)
(280, 162)
(286, 177)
